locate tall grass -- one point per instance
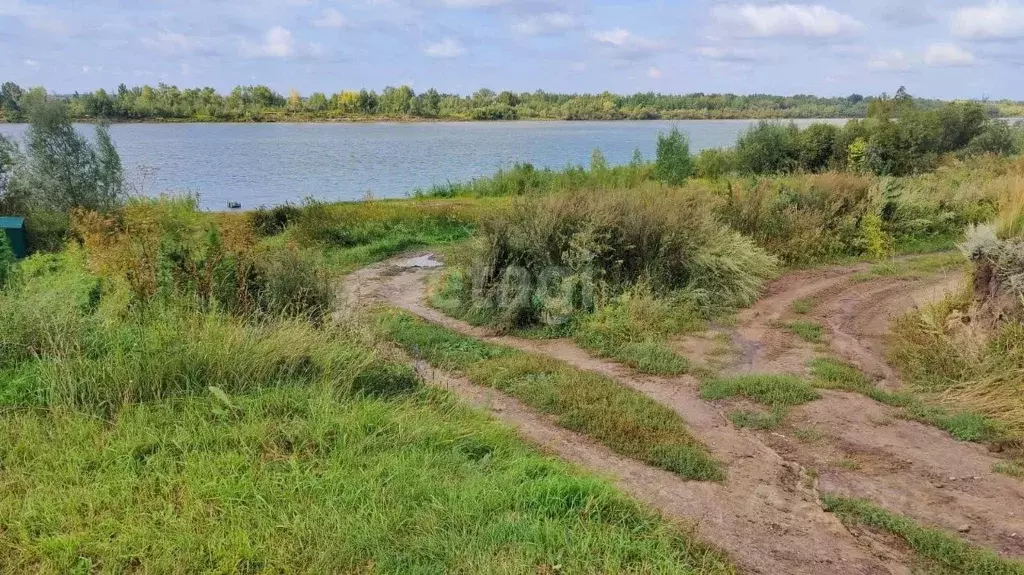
(969, 348)
(547, 258)
(626, 421)
(524, 179)
(294, 480)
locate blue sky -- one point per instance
(938, 48)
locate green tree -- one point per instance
(769, 148)
(317, 102)
(61, 169)
(10, 97)
(673, 163)
(817, 146)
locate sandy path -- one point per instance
(766, 515)
(905, 466)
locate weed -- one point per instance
(770, 390)
(625, 420)
(807, 330)
(808, 434)
(758, 419)
(1009, 468)
(847, 463)
(833, 374)
(803, 306)
(944, 550)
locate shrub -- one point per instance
(544, 259)
(714, 163)
(61, 169)
(817, 146)
(769, 148)
(6, 259)
(997, 138)
(673, 163)
(272, 221)
(801, 219)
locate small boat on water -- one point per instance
(234, 205)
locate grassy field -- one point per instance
(176, 397)
(175, 400)
(302, 481)
(627, 421)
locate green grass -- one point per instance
(626, 421)
(807, 330)
(943, 550)
(1009, 468)
(803, 305)
(920, 266)
(779, 391)
(966, 426)
(293, 480)
(808, 434)
(757, 419)
(833, 374)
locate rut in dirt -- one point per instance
(766, 515)
(905, 466)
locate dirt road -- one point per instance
(766, 515)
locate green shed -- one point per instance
(14, 227)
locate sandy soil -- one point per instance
(767, 515)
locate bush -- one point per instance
(164, 249)
(997, 138)
(817, 146)
(60, 169)
(6, 259)
(769, 148)
(544, 259)
(272, 221)
(673, 164)
(801, 219)
(713, 163)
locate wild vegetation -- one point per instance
(260, 103)
(172, 379)
(967, 348)
(175, 398)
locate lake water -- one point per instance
(268, 164)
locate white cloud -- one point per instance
(624, 45)
(31, 63)
(545, 23)
(784, 20)
(726, 54)
(998, 19)
(446, 48)
(889, 61)
(330, 18)
(86, 69)
(170, 42)
(654, 72)
(947, 55)
(277, 43)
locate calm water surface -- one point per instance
(267, 164)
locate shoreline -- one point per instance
(422, 120)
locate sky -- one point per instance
(936, 48)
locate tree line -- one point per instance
(260, 103)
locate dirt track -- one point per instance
(766, 515)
